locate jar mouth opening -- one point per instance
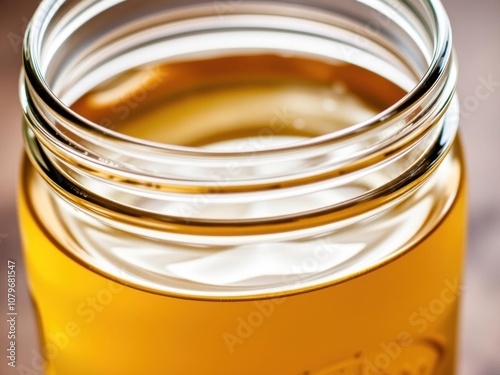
(440, 58)
(116, 177)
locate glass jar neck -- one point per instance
(71, 47)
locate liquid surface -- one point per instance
(267, 100)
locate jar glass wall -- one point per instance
(243, 187)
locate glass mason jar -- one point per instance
(242, 187)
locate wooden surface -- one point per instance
(477, 40)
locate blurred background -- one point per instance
(477, 41)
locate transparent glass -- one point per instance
(243, 187)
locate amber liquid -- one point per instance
(399, 319)
(202, 102)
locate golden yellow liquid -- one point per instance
(398, 319)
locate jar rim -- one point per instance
(442, 54)
(422, 128)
